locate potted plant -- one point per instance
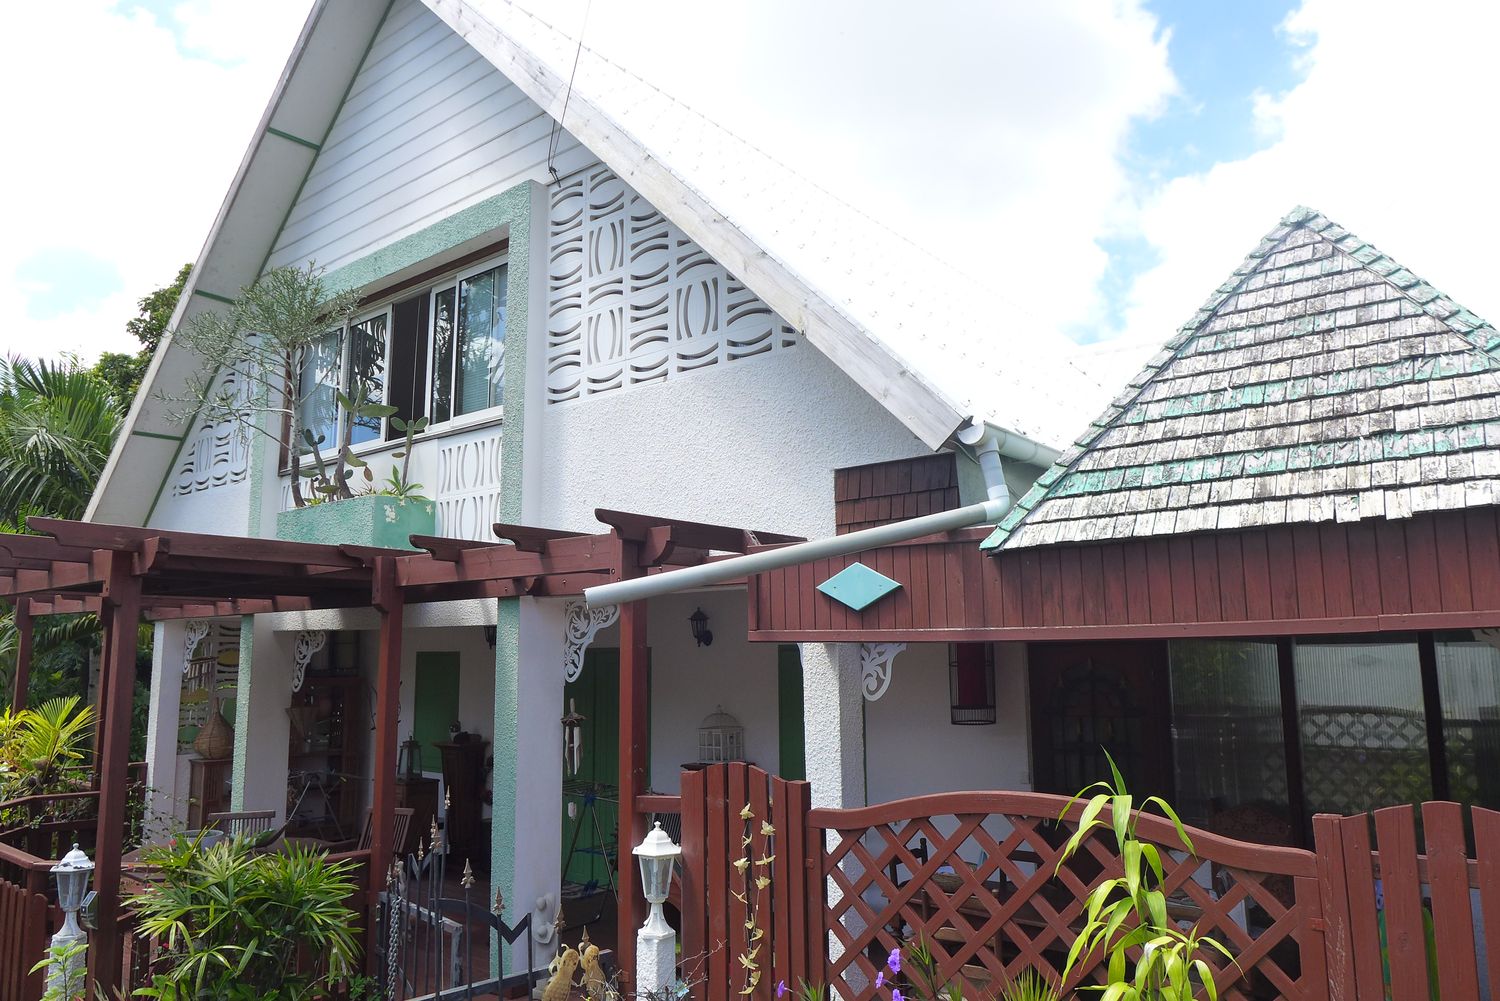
(235, 923)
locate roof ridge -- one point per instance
(1477, 333)
(920, 248)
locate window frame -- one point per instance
(383, 305)
(453, 281)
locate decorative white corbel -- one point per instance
(583, 624)
(309, 642)
(876, 667)
(196, 631)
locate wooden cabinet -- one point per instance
(208, 789)
(421, 796)
(464, 776)
(325, 757)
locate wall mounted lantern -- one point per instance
(701, 633)
(971, 683)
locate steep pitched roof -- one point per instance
(930, 344)
(1321, 382)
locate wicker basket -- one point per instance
(216, 738)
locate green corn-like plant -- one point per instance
(1129, 913)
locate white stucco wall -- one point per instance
(912, 747)
(688, 682)
(752, 444)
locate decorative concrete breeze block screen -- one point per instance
(632, 300)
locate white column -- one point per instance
(527, 813)
(166, 805)
(261, 724)
(833, 715)
(834, 723)
(655, 961)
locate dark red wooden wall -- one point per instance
(877, 494)
(1433, 571)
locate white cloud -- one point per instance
(989, 133)
(123, 138)
(1391, 133)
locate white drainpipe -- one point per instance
(989, 444)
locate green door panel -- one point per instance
(434, 703)
(793, 738)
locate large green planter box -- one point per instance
(370, 520)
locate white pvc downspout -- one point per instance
(987, 443)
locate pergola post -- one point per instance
(633, 756)
(120, 617)
(389, 601)
(24, 623)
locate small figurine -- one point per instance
(563, 968)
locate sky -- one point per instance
(1101, 164)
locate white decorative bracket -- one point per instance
(583, 624)
(197, 631)
(309, 642)
(876, 667)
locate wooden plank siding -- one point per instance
(883, 492)
(429, 127)
(1433, 571)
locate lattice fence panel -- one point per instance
(977, 879)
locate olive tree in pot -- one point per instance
(266, 359)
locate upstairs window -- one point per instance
(438, 352)
(468, 344)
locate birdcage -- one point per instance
(721, 738)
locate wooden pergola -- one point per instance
(127, 574)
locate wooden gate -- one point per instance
(1402, 924)
(24, 933)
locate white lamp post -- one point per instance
(656, 942)
(73, 873)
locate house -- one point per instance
(603, 301)
(1266, 579)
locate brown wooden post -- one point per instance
(633, 751)
(120, 617)
(390, 601)
(24, 624)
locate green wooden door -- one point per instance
(793, 738)
(434, 703)
(592, 796)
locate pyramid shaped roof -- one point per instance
(1322, 382)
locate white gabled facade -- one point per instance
(641, 372)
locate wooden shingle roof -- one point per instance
(1321, 382)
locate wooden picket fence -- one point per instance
(24, 931)
(975, 876)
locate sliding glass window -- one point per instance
(1227, 736)
(366, 382)
(1468, 670)
(468, 344)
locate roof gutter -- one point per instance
(989, 445)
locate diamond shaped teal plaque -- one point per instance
(857, 586)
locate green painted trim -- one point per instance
(506, 750)
(492, 214)
(517, 207)
(296, 139)
(243, 690)
(214, 296)
(156, 434)
(334, 120)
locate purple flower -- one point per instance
(781, 989)
(895, 994)
(880, 979)
(894, 962)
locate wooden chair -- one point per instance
(403, 815)
(241, 824)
